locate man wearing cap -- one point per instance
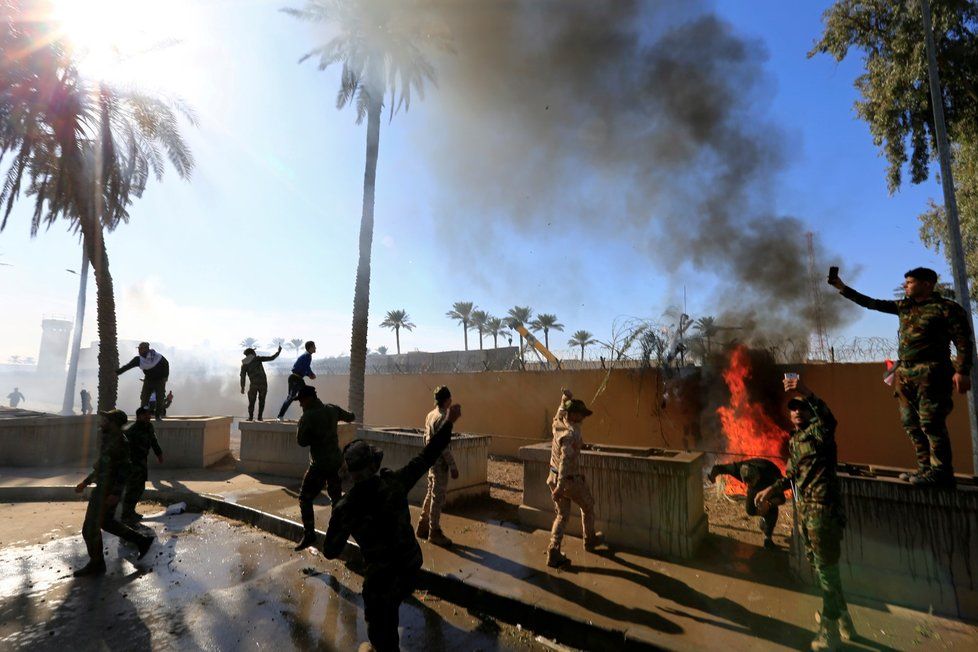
(156, 371)
(317, 430)
(566, 481)
(927, 377)
(254, 370)
(141, 437)
(758, 474)
(301, 369)
(811, 474)
(429, 525)
(375, 511)
(109, 474)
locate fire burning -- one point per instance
(749, 430)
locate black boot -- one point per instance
(307, 541)
(90, 569)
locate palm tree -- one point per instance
(249, 343)
(278, 342)
(379, 44)
(519, 316)
(462, 313)
(396, 320)
(582, 339)
(495, 327)
(479, 320)
(708, 329)
(546, 322)
(296, 343)
(87, 151)
(382, 350)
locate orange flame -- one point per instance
(750, 432)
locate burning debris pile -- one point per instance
(747, 424)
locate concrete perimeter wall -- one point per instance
(516, 408)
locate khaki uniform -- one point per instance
(565, 472)
(434, 500)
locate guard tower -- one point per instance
(55, 335)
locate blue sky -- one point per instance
(262, 241)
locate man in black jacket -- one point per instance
(141, 437)
(758, 474)
(252, 367)
(156, 371)
(375, 512)
(109, 474)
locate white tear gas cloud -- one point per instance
(620, 121)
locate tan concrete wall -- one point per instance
(516, 408)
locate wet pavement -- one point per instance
(733, 594)
(208, 584)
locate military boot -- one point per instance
(90, 569)
(144, 546)
(908, 476)
(438, 538)
(308, 540)
(556, 559)
(596, 540)
(934, 478)
(423, 529)
(847, 630)
(828, 636)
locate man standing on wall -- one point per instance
(429, 525)
(375, 511)
(317, 430)
(252, 367)
(811, 474)
(929, 323)
(156, 371)
(301, 369)
(109, 474)
(15, 397)
(566, 480)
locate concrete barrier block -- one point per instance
(270, 447)
(649, 500)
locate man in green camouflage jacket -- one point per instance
(926, 373)
(317, 430)
(142, 437)
(811, 475)
(109, 474)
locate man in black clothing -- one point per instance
(758, 474)
(142, 437)
(156, 371)
(375, 512)
(109, 474)
(254, 370)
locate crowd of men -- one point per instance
(374, 510)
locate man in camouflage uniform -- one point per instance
(317, 430)
(811, 475)
(375, 511)
(429, 525)
(926, 374)
(141, 436)
(758, 474)
(252, 367)
(566, 481)
(109, 474)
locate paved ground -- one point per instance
(208, 584)
(733, 594)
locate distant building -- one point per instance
(55, 335)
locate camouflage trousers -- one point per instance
(577, 491)
(135, 485)
(821, 529)
(434, 500)
(925, 401)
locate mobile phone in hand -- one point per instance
(833, 273)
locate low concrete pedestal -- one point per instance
(270, 447)
(905, 545)
(187, 442)
(471, 453)
(645, 499)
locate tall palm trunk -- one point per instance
(361, 292)
(480, 339)
(495, 340)
(397, 336)
(582, 353)
(108, 340)
(546, 338)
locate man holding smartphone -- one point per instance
(927, 376)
